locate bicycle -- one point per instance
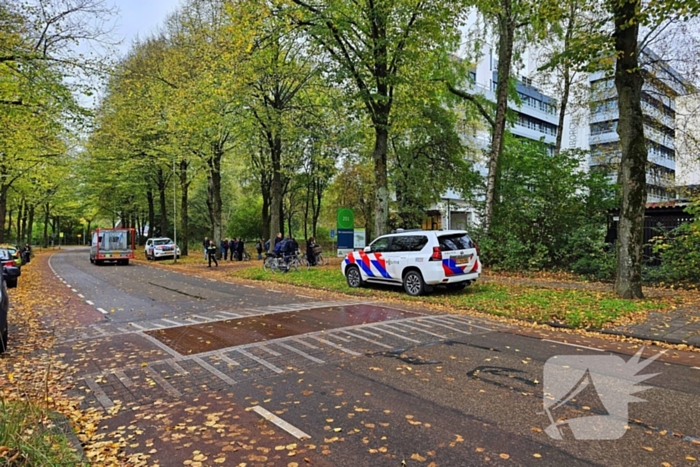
(280, 263)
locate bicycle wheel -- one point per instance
(294, 265)
(246, 256)
(322, 260)
(270, 264)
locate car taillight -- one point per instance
(8, 263)
(437, 254)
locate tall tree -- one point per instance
(375, 47)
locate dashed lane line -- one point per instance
(102, 310)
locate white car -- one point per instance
(161, 247)
(417, 260)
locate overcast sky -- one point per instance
(139, 18)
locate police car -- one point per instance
(161, 247)
(416, 260)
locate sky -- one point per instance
(139, 18)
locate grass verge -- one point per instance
(29, 436)
(578, 308)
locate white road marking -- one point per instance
(226, 359)
(69, 286)
(102, 398)
(73, 290)
(260, 361)
(395, 326)
(339, 347)
(176, 323)
(296, 339)
(89, 302)
(138, 326)
(169, 388)
(448, 327)
(378, 336)
(159, 344)
(174, 365)
(465, 321)
(332, 334)
(270, 351)
(289, 428)
(81, 295)
(123, 378)
(696, 368)
(203, 318)
(249, 286)
(222, 376)
(368, 340)
(299, 352)
(305, 296)
(573, 345)
(229, 314)
(394, 334)
(274, 291)
(102, 310)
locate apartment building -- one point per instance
(536, 119)
(662, 87)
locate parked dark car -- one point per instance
(10, 268)
(4, 305)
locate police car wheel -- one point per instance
(352, 275)
(413, 283)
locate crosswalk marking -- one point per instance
(394, 334)
(270, 351)
(222, 376)
(100, 395)
(176, 323)
(230, 361)
(260, 361)
(160, 345)
(368, 340)
(461, 320)
(138, 326)
(440, 336)
(299, 352)
(175, 366)
(435, 323)
(339, 347)
(169, 388)
(123, 378)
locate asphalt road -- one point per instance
(385, 389)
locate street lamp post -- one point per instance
(175, 211)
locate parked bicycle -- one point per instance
(319, 259)
(281, 263)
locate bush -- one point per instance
(679, 253)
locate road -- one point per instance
(196, 365)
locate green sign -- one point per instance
(346, 218)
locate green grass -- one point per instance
(578, 308)
(29, 438)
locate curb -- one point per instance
(62, 426)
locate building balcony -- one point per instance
(603, 138)
(525, 132)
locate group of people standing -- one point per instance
(234, 248)
(230, 249)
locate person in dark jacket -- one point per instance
(26, 253)
(310, 256)
(259, 248)
(239, 249)
(224, 248)
(211, 249)
(234, 247)
(205, 245)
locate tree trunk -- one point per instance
(214, 194)
(151, 212)
(3, 210)
(30, 224)
(276, 218)
(162, 201)
(630, 128)
(381, 180)
(47, 213)
(506, 29)
(184, 214)
(20, 216)
(567, 76)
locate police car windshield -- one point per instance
(162, 241)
